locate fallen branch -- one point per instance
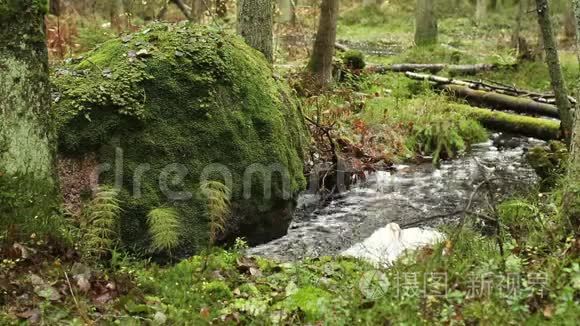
(341, 47)
(498, 97)
(185, 9)
(501, 102)
(436, 68)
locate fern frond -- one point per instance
(164, 226)
(100, 222)
(218, 206)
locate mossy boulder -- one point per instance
(171, 105)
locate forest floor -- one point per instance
(528, 272)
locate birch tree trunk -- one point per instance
(321, 60)
(553, 61)
(255, 24)
(27, 183)
(425, 23)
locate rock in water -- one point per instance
(171, 105)
(387, 244)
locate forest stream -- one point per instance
(419, 195)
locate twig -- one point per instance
(81, 312)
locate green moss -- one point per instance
(314, 302)
(354, 59)
(549, 162)
(217, 290)
(177, 94)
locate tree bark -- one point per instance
(480, 11)
(255, 24)
(221, 8)
(425, 23)
(27, 182)
(197, 10)
(553, 61)
(186, 11)
(287, 11)
(321, 60)
(569, 24)
(571, 202)
(115, 12)
(518, 25)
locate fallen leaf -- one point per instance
(47, 292)
(159, 318)
(83, 283)
(102, 299)
(204, 312)
(548, 311)
(32, 315)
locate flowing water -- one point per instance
(415, 195)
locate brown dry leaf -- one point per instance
(204, 312)
(548, 311)
(83, 283)
(32, 315)
(248, 265)
(254, 271)
(102, 299)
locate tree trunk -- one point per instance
(186, 11)
(516, 124)
(255, 24)
(569, 24)
(553, 61)
(480, 11)
(221, 8)
(518, 26)
(27, 183)
(115, 12)
(571, 202)
(55, 7)
(321, 60)
(197, 10)
(425, 23)
(287, 11)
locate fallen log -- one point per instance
(489, 96)
(501, 102)
(341, 47)
(436, 68)
(538, 128)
